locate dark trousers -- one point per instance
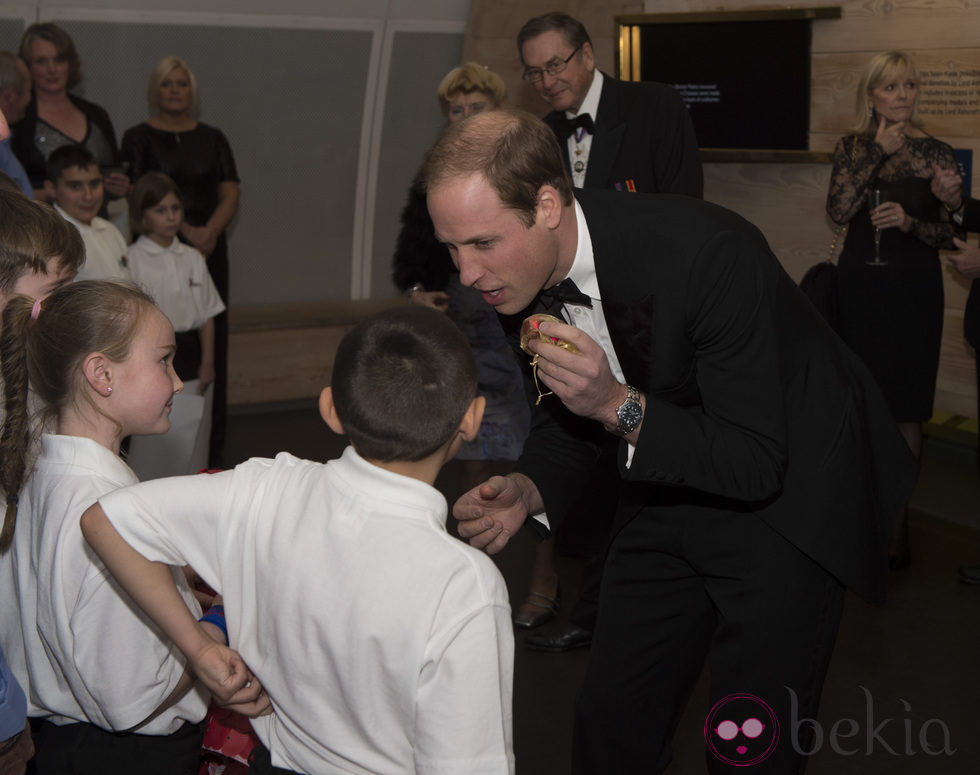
(85, 749)
(260, 763)
(700, 584)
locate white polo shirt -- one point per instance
(105, 249)
(86, 652)
(384, 643)
(178, 280)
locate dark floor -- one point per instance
(907, 674)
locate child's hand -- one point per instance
(260, 706)
(206, 376)
(224, 673)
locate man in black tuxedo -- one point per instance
(754, 455)
(616, 134)
(947, 186)
(632, 137)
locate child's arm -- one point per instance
(206, 373)
(151, 586)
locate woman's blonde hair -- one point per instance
(468, 78)
(882, 68)
(160, 71)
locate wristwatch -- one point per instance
(630, 412)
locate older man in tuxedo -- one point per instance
(615, 134)
(754, 447)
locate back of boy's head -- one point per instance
(42, 346)
(402, 381)
(66, 157)
(30, 234)
(148, 192)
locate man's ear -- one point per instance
(588, 56)
(472, 418)
(549, 209)
(98, 371)
(328, 411)
(49, 189)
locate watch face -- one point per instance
(629, 415)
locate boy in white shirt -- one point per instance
(345, 595)
(74, 180)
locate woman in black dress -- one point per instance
(892, 311)
(55, 118)
(199, 159)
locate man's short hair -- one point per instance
(66, 157)
(31, 233)
(571, 28)
(515, 152)
(402, 381)
(11, 76)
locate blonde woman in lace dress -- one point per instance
(892, 314)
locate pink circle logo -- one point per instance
(741, 730)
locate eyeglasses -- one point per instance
(751, 728)
(553, 68)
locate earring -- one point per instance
(871, 110)
(108, 389)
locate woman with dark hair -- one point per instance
(55, 117)
(199, 160)
(890, 278)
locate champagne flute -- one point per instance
(877, 195)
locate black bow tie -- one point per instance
(565, 291)
(565, 127)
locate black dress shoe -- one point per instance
(565, 638)
(969, 574)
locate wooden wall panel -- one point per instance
(879, 25)
(786, 201)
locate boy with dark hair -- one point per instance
(345, 595)
(39, 252)
(74, 180)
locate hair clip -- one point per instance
(36, 309)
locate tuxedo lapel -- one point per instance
(629, 317)
(609, 132)
(551, 120)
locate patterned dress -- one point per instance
(892, 315)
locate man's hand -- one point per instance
(947, 187)
(204, 238)
(967, 260)
(890, 138)
(582, 381)
(116, 184)
(495, 510)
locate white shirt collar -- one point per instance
(97, 223)
(582, 272)
(590, 104)
(151, 247)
